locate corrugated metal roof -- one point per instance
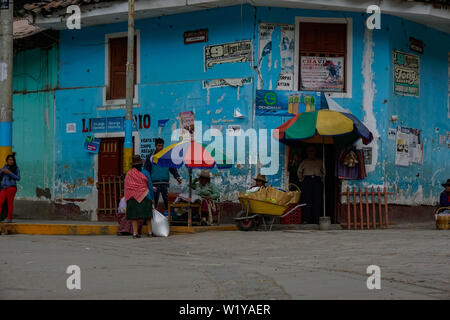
(22, 29)
(47, 7)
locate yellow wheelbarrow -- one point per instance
(255, 210)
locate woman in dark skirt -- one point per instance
(139, 196)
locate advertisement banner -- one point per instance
(322, 73)
(406, 74)
(240, 51)
(287, 103)
(92, 145)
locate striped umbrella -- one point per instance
(192, 155)
(324, 126)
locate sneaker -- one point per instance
(150, 235)
(136, 236)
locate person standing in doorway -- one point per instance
(311, 175)
(160, 175)
(9, 175)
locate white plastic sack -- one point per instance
(160, 224)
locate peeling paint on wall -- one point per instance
(368, 95)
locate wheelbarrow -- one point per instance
(255, 210)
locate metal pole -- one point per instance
(6, 78)
(324, 174)
(128, 145)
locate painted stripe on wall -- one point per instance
(5, 134)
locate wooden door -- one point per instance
(110, 178)
(118, 67)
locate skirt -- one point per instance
(136, 210)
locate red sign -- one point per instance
(196, 36)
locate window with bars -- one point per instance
(322, 53)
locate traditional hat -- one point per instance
(447, 183)
(260, 177)
(136, 160)
(205, 174)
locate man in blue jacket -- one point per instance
(160, 175)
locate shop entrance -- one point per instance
(297, 153)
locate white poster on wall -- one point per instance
(402, 149)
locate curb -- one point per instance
(86, 229)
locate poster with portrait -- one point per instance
(322, 73)
(187, 125)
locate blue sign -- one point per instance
(162, 123)
(288, 103)
(92, 144)
(112, 124)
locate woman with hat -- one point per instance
(445, 195)
(260, 181)
(139, 195)
(209, 193)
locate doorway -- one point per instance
(297, 153)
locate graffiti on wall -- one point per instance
(276, 45)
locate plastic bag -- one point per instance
(160, 224)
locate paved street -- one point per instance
(230, 265)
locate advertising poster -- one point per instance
(402, 149)
(409, 148)
(240, 51)
(92, 145)
(286, 103)
(406, 74)
(322, 73)
(280, 53)
(187, 123)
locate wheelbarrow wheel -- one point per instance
(246, 224)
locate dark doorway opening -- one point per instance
(297, 153)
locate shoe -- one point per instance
(150, 235)
(135, 236)
(8, 221)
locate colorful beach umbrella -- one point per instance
(192, 155)
(324, 126)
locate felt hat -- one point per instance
(205, 174)
(260, 177)
(447, 183)
(136, 160)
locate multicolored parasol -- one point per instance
(324, 126)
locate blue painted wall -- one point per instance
(171, 75)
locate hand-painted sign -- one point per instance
(240, 51)
(162, 123)
(406, 74)
(92, 144)
(322, 73)
(287, 103)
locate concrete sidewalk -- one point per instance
(58, 227)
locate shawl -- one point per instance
(136, 185)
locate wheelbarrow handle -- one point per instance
(294, 208)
